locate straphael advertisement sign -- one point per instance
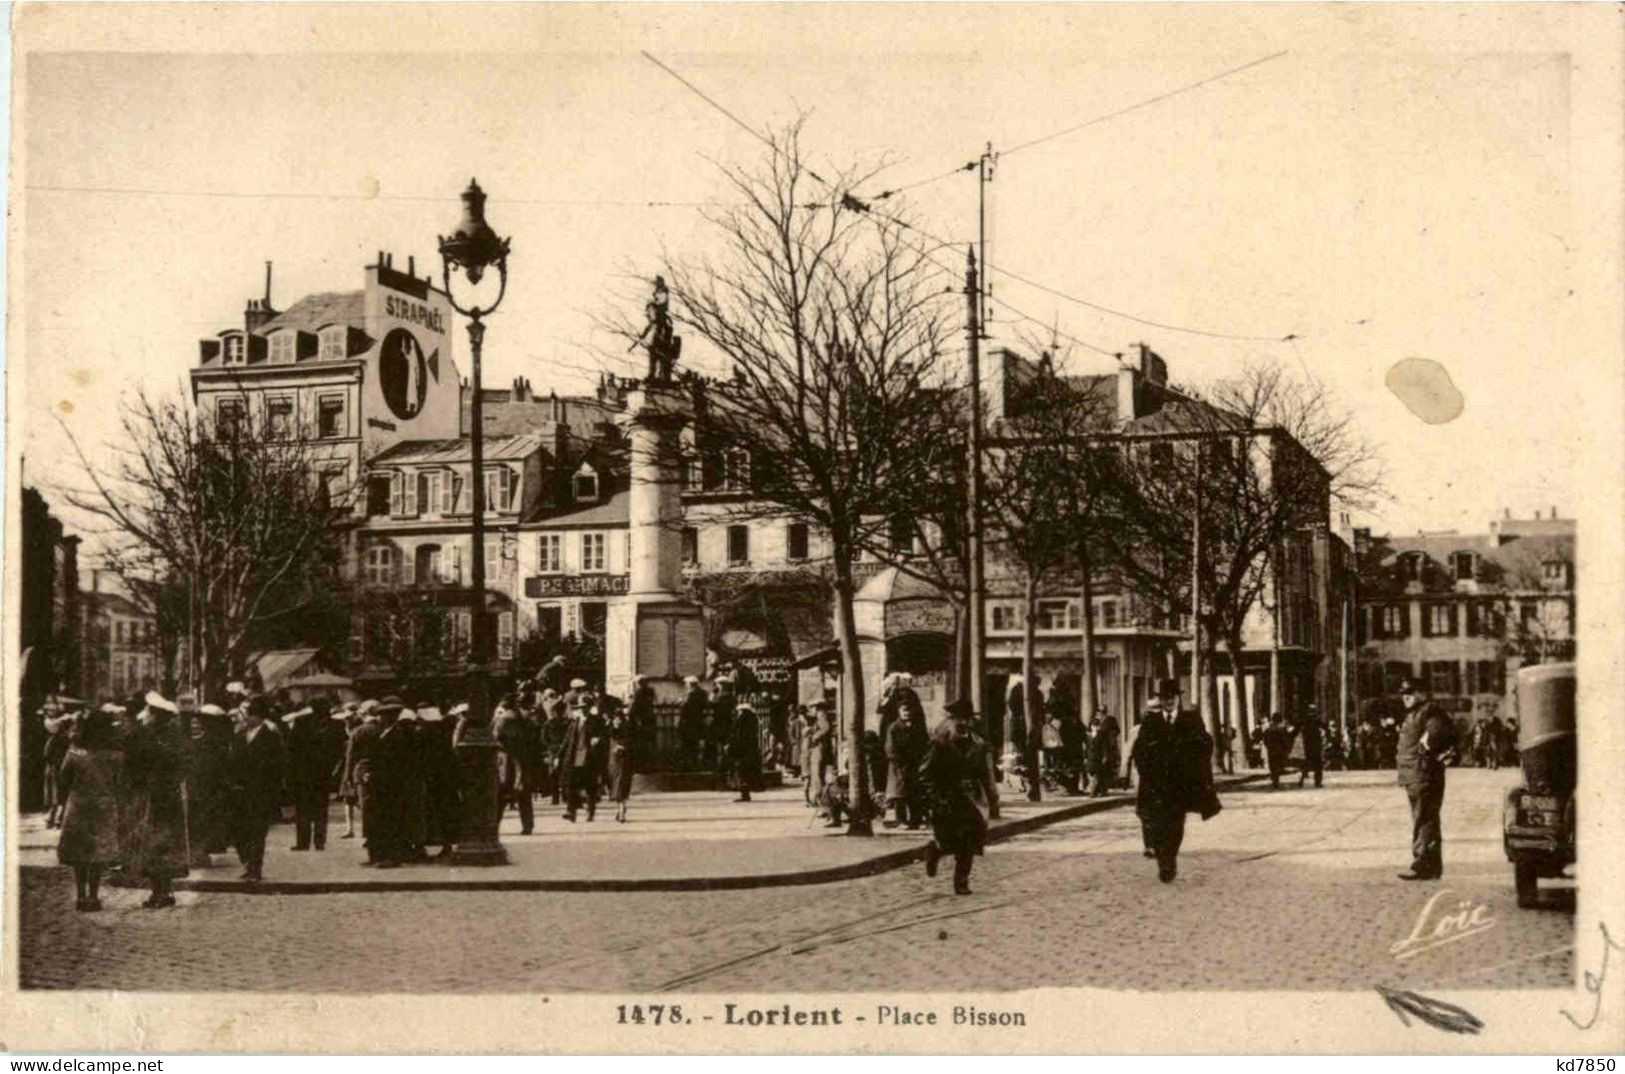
(412, 389)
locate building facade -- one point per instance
(119, 647)
(1462, 612)
(48, 627)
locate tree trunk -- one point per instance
(959, 685)
(846, 634)
(1029, 691)
(1086, 593)
(1243, 725)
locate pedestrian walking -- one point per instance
(555, 721)
(957, 778)
(692, 716)
(256, 767)
(91, 785)
(580, 761)
(745, 750)
(1314, 746)
(1277, 744)
(821, 752)
(621, 731)
(1105, 755)
(59, 729)
(155, 771)
(310, 770)
(906, 743)
(520, 742)
(1174, 757)
(1426, 739)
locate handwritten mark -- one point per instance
(1435, 1012)
(1425, 387)
(1594, 980)
(1465, 918)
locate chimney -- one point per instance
(267, 285)
(412, 266)
(1128, 385)
(1506, 513)
(1554, 514)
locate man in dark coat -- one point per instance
(1426, 739)
(745, 750)
(442, 780)
(691, 720)
(720, 733)
(208, 800)
(580, 763)
(955, 774)
(554, 676)
(555, 721)
(520, 741)
(394, 768)
(309, 774)
(1174, 756)
(821, 749)
(1277, 744)
(361, 773)
(906, 743)
(257, 765)
(1314, 746)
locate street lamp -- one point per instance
(474, 248)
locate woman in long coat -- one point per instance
(155, 766)
(622, 732)
(91, 783)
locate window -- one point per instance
(493, 555)
(282, 346)
(1438, 621)
(594, 618)
(1110, 614)
(584, 487)
(228, 417)
(334, 482)
(1392, 621)
(1057, 615)
(900, 536)
(736, 475)
(118, 631)
(1410, 567)
(593, 552)
(1162, 459)
(1529, 614)
(1462, 564)
(505, 636)
(378, 488)
(380, 565)
(693, 474)
(279, 418)
(233, 350)
(691, 546)
(428, 491)
(1443, 678)
(1554, 570)
(451, 487)
(549, 553)
(1488, 677)
(497, 488)
(334, 338)
(738, 546)
(330, 416)
(550, 621)
(429, 563)
(1006, 617)
(796, 542)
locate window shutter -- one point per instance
(456, 574)
(406, 565)
(1404, 620)
(305, 346)
(505, 636)
(410, 494)
(1427, 620)
(1472, 620)
(256, 348)
(1453, 620)
(465, 496)
(397, 505)
(513, 487)
(448, 492)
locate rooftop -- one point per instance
(314, 311)
(460, 450)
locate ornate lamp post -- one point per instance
(474, 248)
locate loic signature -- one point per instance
(1594, 981)
(1435, 1012)
(1442, 922)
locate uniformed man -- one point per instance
(519, 739)
(1314, 746)
(1426, 739)
(579, 763)
(309, 775)
(956, 776)
(360, 772)
(394, 764)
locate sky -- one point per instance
(1377, 188)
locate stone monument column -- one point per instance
(653, 631)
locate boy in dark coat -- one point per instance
(956, 776)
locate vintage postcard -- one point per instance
(814, 529)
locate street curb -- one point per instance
(881, 863)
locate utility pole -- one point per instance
(1196, 587)
(978, 620)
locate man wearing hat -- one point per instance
(691, 720)
(520, 742)
(257, 764)
(361, 777)
(580, 754)
(309, 776)
(745, 750)
(1426, 739)
(1314, 747)
(956, 776)
(1174, 756)
(394, 763)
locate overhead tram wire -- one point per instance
(300, 195)
(970, 166)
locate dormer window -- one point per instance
(232, 350)
(584, 486)
(282, 347)
(1555, 571)
(1463, 565)
(333, 343)
(1410, 567)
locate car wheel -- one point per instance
(1523, 878)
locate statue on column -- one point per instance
(657, 337)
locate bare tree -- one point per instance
(239, 527)
(1049, 482)
(1257, 460)
(835, 334)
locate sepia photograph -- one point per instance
(813, 528)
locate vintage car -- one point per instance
(1538, 821)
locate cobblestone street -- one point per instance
(1290, 889)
